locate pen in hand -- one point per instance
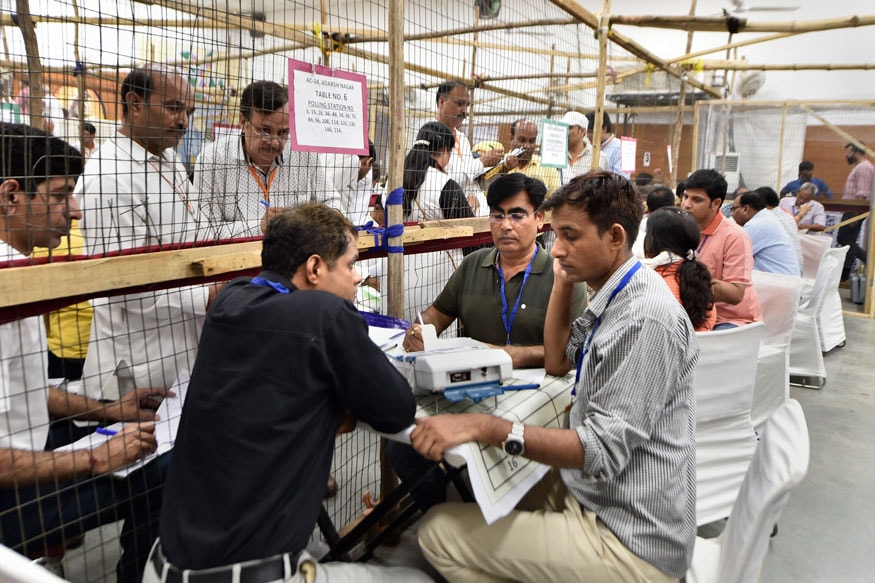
(105, 431)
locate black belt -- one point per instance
(261, 571)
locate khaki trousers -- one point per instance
(558, 542)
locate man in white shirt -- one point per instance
(579, 148)
(453, 101)
(47, 497)
(246, 176)
(135, 197)
(810, 216)
(353, 179)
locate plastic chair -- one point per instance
(779, 465)
(806, 348)
(725, 439)
(813, 248)
(779, 299)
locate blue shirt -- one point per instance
(772, 249)
(792, 186)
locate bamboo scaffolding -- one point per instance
(473, 71)
(598, 117)
(694, 154)
(722, 23)
(679, 124)
(438, 34)
(781, 148)
(494, 78)
(851, 139)
(394, 213)
(745, 66)
(528, 50)
(588, 18)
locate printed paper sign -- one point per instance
(628, 150)
(328, 110)
(554, 144)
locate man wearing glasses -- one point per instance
(243, 179)
(135, 194)
(500, 294)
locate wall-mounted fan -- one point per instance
(750, 83)
(488, 8)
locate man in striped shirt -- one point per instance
(622, 505)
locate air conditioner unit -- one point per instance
(727, 165)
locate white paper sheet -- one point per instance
(500, 481)
(169, 413)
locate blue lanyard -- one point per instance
(280, 288)
(598, 322)
(508, 322)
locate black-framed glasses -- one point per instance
(515, 217)
(266, 135)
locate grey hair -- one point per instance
(809, 187)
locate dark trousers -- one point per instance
(409, 465)
(37, 517)
(848, 235)
(65, 368)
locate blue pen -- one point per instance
(264, 202)
(105, 431)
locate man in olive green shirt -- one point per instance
(500, 294)
(500, 297)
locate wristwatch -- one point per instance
(515, 442)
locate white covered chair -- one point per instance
(806, 348)
(16, 568)
(725, 439)
(779, 465)
(813, 248)
(779, 299)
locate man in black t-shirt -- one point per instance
(284, 364)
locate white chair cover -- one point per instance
(725, 439)
(813, 248)
(806, 349)
(779, 299)
(779, 465)
(831, 321)
(15, 568)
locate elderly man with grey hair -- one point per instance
(809, 214)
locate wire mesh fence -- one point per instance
(180, 109)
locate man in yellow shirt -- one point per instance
(67, 329)
(524, 135)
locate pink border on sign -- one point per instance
(328, 72)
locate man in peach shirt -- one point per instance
(725, 248)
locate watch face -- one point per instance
(513, 447)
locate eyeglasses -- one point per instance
(267, 135)
(515, 217)
(734, 208)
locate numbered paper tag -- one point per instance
(328, 110)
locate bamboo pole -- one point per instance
(34, 66)
(566, 76)
(845, 135)
(395, 261)
(438, 34)
(694, 155)
(682, 100)
(552, 71)
(588, 18)
(474, 46)
(529, 50)
(600, 90)
(781, 149)
(721, 23)
(735, 65)
(81, 84)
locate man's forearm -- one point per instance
(24, 468)
(70, 405)
(811, 226)
(526, 356)
(559, 448)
